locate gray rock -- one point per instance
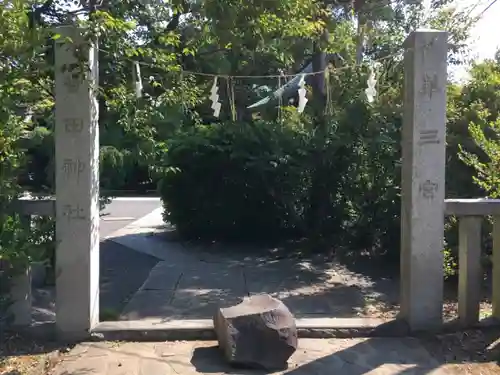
(259, 332)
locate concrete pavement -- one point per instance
(314, 356)
(122, 270)
(191, 280)
(177, 281)
(123, 211)
(147, 274)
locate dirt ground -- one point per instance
(20, 355)
(474, 352)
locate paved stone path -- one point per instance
(191, 280)
(313, 357)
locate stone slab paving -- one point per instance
(191, 280)
(313, 357)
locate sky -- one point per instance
(486, 32)
(484, 39)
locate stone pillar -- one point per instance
(77, 185)
(20, 292)
(20, 289)
(496, 267)
(470, 276)
(423, 179)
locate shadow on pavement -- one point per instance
(122, 272)
(376, 356)
(195, 278)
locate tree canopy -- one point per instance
(343, 160)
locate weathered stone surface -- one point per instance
(374, 356)
(258, 332)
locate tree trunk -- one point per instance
(319, 194)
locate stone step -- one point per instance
(203, 329)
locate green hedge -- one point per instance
(240, 181)
(254, 181)
(265, 180)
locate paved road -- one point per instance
(122, 211)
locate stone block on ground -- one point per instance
(260, 332)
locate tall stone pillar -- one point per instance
(77, 184)
(423, 179)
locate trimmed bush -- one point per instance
(237, 181)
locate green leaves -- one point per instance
(252, 161)
(236, 180)
(476, 109)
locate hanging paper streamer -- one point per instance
(329, 104)
(370, 91)
(234, 115)
(302, 94)
(137, 80)
(280, 98)
(214, 97)
(230, 95)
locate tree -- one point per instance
(481, 97)
(173, 43)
